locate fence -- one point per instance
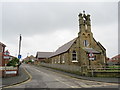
(85, 70)
(68, 68)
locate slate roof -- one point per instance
(91, 50)
(99, 44)
(64, 48)
(43, 54)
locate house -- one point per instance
(83, 50)
(30, 58)
(114, 60)
(6, 71)
(117, 57)
(43, 56)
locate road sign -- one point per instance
(6, 55)
(92, 58)
(91, 54)
(11, 72)
(19, 56)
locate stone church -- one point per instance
(82, 50)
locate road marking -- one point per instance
(30, 78)
(82, 84)
(86, 80)
(67, 84)
(42, 72)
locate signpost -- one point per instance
(6, 55)
(91, 58)
(19, 56)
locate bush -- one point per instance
(14, 62)
(28, 61)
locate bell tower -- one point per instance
(84, 22)
(85, 35)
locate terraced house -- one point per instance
(82, 50)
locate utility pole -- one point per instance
(20, 43)
(20, 39)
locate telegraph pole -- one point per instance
(20, 39)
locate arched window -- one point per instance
(63, 59)
(74, 56)
(86, 43)
(55, 61)
(59, 59)
(86, 27)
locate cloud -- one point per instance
(47, 42)
(47, 25)
(108, 37)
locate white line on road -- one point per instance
(41, 72)
(83, 84)
(67, 84)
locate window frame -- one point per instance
(74, 56)
(85, 43)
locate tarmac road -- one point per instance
(43, 78)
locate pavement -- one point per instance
(21, 77)
(100, 79)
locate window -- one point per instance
(59, 59)
(86, 43)
(74, 56)
(55, 61)
(52, 61)
(86, 27)
(63, 59)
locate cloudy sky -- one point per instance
(45, 26)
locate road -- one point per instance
(43, 78)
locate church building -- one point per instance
(82, 50)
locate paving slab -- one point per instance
(21, 77)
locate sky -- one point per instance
(45, 26)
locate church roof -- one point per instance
(43, 54)
(99, 44)
(64, 48)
